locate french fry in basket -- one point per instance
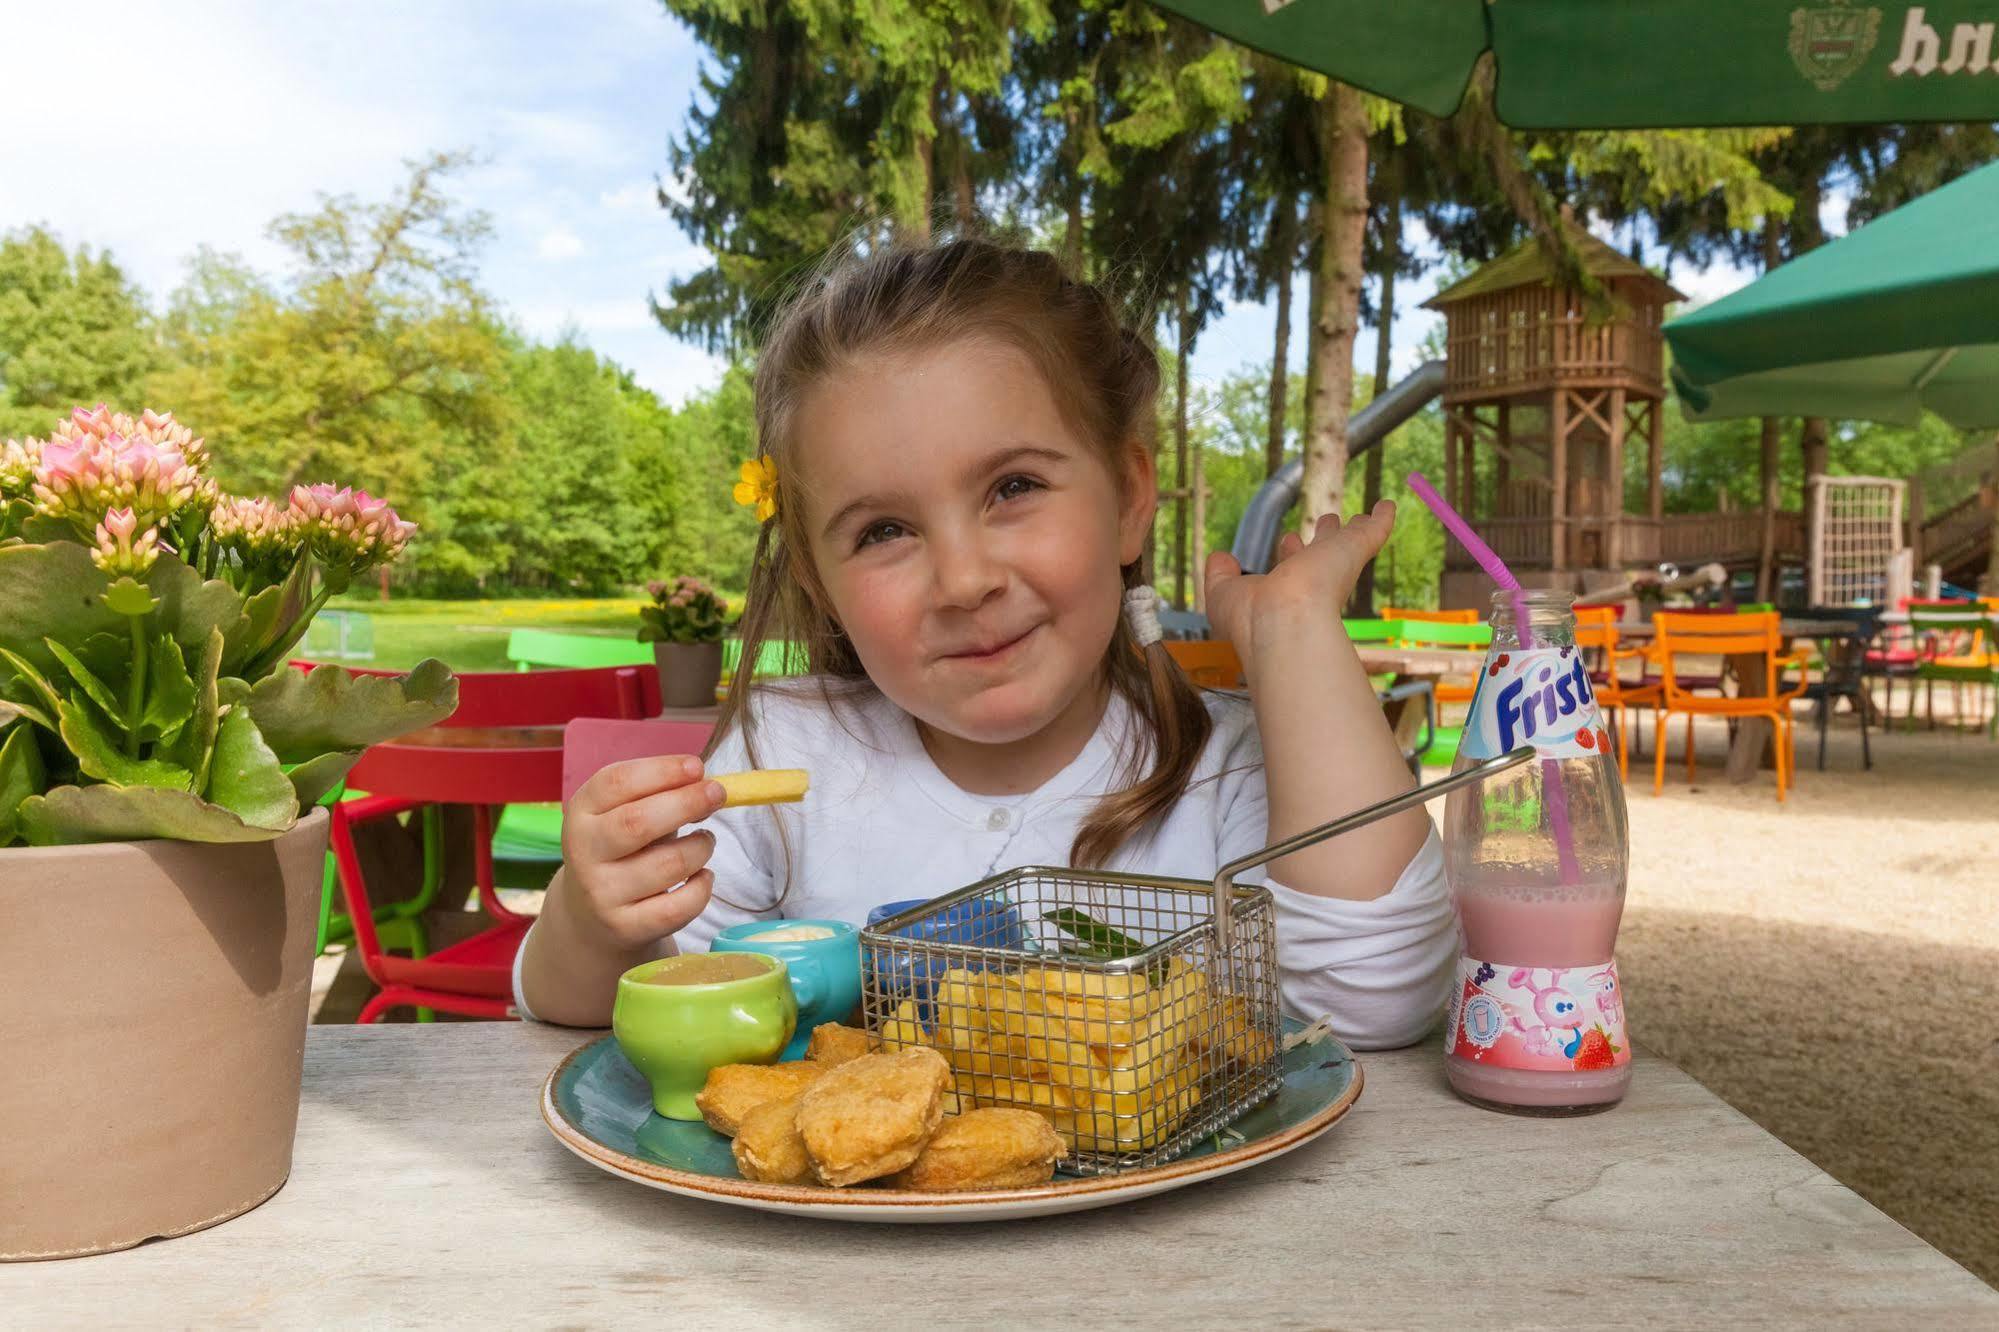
(764, 786)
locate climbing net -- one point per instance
(1857, 530)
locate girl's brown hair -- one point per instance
(1104, 379)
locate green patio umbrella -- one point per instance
(1899, 315)
(1598, 64)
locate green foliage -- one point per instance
(1228, 423)
(72, 330)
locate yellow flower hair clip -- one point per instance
(758, 488)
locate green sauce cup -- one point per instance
(676, 1023)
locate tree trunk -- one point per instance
(1391, 257)
(1285, 243)
(1766, 557)
(965, 204)
(1344, 143)
(1991, 586)
(926, 164)
(1180, 477)
(1314, 238)
(1072, 232)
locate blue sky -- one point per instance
(149, 129)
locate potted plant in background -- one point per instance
(684, 625)
(160, 853)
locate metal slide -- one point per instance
(1256, 536)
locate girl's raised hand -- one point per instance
(623, 848)
(1309, 584)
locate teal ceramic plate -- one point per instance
(597, 1106)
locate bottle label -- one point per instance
(1541, 697)
(1560, 1019)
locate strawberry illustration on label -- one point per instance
(1596, 1051)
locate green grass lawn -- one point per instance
(472, 635)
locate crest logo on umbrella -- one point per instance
(1828, 44)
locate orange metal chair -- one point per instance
(1209, 662)
(1596, 632)
(1446, 692)
(1739, 636)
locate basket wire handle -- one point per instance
(1225, 877)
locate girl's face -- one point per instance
(968, 541)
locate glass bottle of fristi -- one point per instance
(1536, 857)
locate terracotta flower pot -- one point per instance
(152, 1031)
(688, 673)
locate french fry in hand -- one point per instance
(764, 786)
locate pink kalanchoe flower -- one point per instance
(18, 460)
(116, 553)
(349, 528)
(258, 530)
(98, 461)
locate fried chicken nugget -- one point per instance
(985, 1149)
(733, 1090)
(767, 1146)
(834, 1044)
(871, 1116)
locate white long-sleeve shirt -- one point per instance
(882, 823)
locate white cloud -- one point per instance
(560, 243)
(627, 199)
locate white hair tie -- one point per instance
(1141, 609)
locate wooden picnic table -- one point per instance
(425, 1191)
(1405, 716)
(1754, 745)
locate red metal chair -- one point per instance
(473, 977)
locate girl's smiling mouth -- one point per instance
(981, 656)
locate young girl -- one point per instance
(964, 484)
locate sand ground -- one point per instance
(1829, 966)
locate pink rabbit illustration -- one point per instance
(1558, 1012)
(1609, 1001)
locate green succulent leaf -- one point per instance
(313, 778)
(100, 693)
(72, 814)
(99, 756)
(246, 776)
(21, 776)
(194, 747)
(190, 606)
(40, 528)
(52, 591)
(28, 676)
(267, 617)
(306, 714)
(130, 599)
(170, 696)
(10, 710)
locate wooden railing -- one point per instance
(1525, 543)
(1533, 335)
(1681, 538)
(1958, 532)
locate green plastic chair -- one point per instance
(1966, 656)
(1373, 631)
(1443, 749)
(777, 657)
(552, 648)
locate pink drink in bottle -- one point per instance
(1536, 858)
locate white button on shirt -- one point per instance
(882, 823)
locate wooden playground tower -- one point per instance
(1541, 402)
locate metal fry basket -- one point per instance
(1138, 1014)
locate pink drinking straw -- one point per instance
(1495, 568)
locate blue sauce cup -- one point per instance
(825, 972)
